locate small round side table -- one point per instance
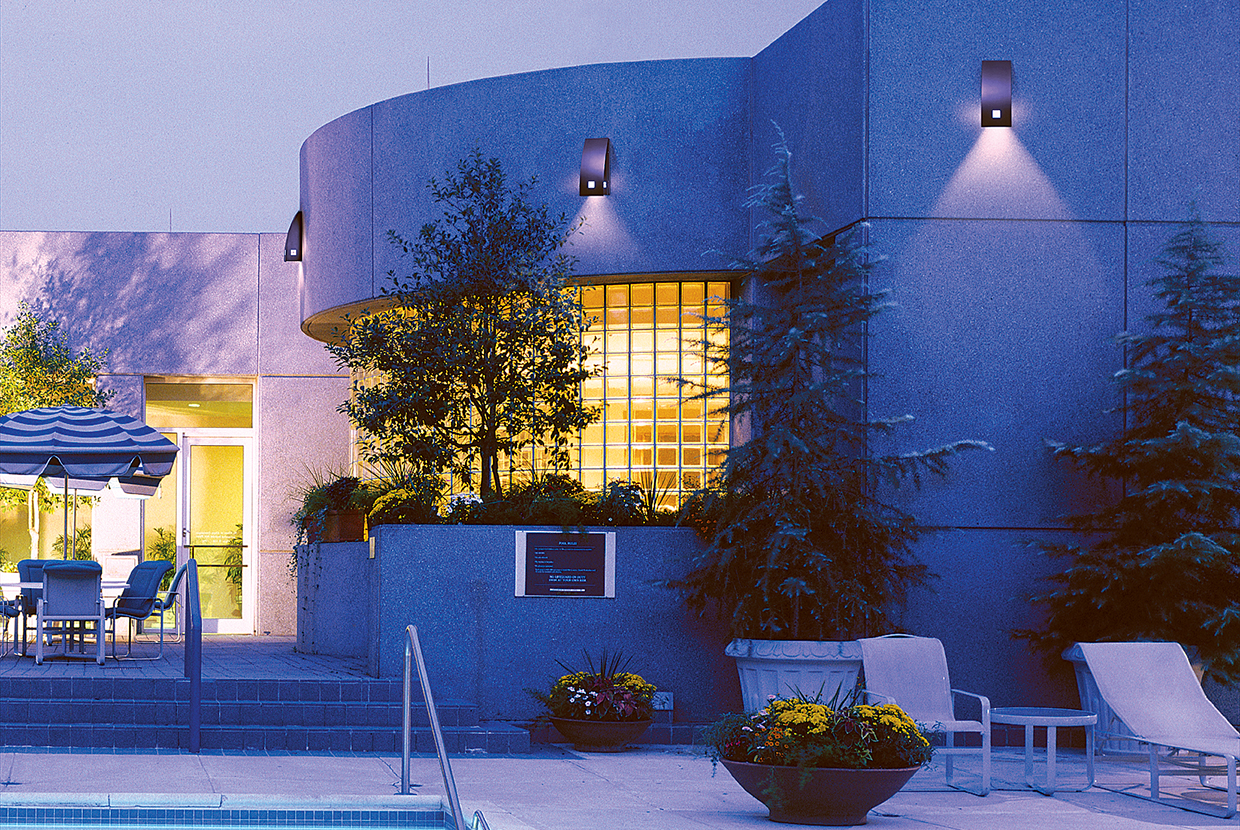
(1052, 719)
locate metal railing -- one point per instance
(193, 653)
(413, 648)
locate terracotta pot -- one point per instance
(600, 735)
(344, 526)
(823, 797)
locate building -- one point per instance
(1014, 253)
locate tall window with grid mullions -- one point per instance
(646, 335)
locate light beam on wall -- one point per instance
(996, 93)
(292, 242)
(999, 179)
(596, 167)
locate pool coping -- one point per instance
(221, 801)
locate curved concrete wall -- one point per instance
(680, 139)
(1014, 254)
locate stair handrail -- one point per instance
(413, 648)
(193, 653)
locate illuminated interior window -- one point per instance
(199, 405)
(646, 335)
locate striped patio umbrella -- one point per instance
(75, 448)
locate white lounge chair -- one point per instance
(1152, 688)
(912, 673)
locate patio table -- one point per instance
(1051, 718)
(110, 588)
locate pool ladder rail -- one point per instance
(413, 648)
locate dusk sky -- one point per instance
(113, 114)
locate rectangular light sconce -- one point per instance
(996, 93)
(596, 167)
(292, 242)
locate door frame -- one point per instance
(186, 437)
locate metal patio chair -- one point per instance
(137, 602)
(71, 607)
(912, 673)
(29, 570)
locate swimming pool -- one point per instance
(70, 812)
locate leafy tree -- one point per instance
(802, 543)
(1163, 561)
(482, 354)
(39, 368)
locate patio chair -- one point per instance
(29, 570)
(71, 606)
(1152, 688)
(10, 610)
(912, 673)
(166, 601)
(137, 602)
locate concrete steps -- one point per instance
(345, 715)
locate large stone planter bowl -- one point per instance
(600, 735)
(820, 797)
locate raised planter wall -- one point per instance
(483, 644)
(333, 598)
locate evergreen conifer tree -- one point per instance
(804, 541)
(1163, 561)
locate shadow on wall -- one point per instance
(159, 303)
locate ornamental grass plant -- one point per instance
(807, 733)
(608, 693)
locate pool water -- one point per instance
(429, 817)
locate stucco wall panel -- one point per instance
(336, 209)
(811, 83)
(1002, 331)
(302, 433)
(1184, 110)
(283, 349)
(978, 599)
(1068, 104)
(679, 131)
(160, 303)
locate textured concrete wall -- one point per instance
(679, 132)
(1014, 255)
(811, 84)
(214, 305)
(483, 644)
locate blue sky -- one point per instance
(114, 113)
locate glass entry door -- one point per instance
(216, 529)
(204, 511)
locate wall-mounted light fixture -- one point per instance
(292, 242)
(596, 167)
(996, 93)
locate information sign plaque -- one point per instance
(565, 564)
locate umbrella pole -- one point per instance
(64, 552)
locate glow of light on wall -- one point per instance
(999, 179)
(602, 230)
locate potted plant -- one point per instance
(333, 509)
(603, 709)
(805, 550)
(814, 763)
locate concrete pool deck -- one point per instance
(555, 788)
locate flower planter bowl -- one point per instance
(600, 735)
(824, 797)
